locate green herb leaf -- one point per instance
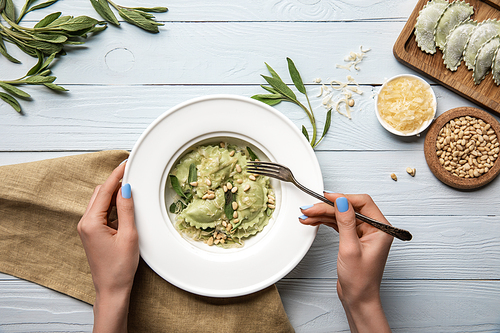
(328, 122)
(26, 8)
(251, 154)
(47, 20)
(55, 87)
(273, 72)
(2, 5)
(3, 51)
(50, 38)
(10, 10)
(11, 101)
(271, 90)
(295, 75)
(193, 173)
(304, 131)
(38, 79)
(13, 90)
(78, 23)
(176, 186)
(228, 204)
(103, 9)
(152, 9)
(280, 86)
(42, 5)
(136, 18)
(173, 208)
(47, 62)
(59, 20)
(269, 99)
(35, 69)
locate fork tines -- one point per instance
(262, 168)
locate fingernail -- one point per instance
(126, 191)
(306, 207)
(123, 161)
(328, 192)
(342, 204)
(303, 217)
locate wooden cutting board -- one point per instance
(485, 94)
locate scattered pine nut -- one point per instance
(235, 205)
(231, 153)
(208, 182)
(193, 184)
(235, 214)
(252, 177)
(229, 186)
(411, 171)
(247, 187)
(234, 189)
(238, 168)
(394, 177)
(271, 206)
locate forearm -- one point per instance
(366, 317)
(111, 312)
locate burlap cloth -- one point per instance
(40, 206)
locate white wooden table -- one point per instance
(446, 279)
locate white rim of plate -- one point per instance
(198, 268)
(424, 125)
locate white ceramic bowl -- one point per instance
(424, 125)
(197, 267)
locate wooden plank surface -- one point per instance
(445, 279)
(486, 94)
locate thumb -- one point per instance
(346, 221)
(125, 208)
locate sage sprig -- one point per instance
(185, 196)
(37, 75)
(279, 91)
(138, 16)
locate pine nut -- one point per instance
(238, 168)
(234, 189)
(247, 187)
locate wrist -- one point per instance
(366, 316)
(111, 311)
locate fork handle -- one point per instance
(401, 234)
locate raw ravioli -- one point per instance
(481, 34)
(484, 59)
(454, 14)
(426, 24)
(456, 43)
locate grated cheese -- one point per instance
(405, 104)
(353, 59)
(330, 101)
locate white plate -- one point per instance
(194, 266)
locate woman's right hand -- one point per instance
(363, 252)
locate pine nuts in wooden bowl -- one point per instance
(462, 148)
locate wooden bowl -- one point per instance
(433, 161)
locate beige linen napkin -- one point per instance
(40, 206)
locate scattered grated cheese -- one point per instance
(353, 59)
(333, 101)
(405, 103)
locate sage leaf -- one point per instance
(2, 5)
(10, 10)
(327, 124)
(295, 75)
(270, 89)
(35, 69)
(47, 20)
(152, 9)
(58, 21)
(268, 99)
(50, 38)
(78, 23)
(13, 90)
(304, 131)
(251, 154)
(176, 186)
(102, 8)
(47, 62)
(193, 173)
(134, 17)
(228, 204)
(273, 72)
(280, 86)
(55, 87)
(38, 79)
(11, 101)
(3, 51)
(26, 8)
(45, 47)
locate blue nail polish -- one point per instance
(329, 192)
(306, 207)
(342, 204)
(303, 217)
(125, 160)
(126, 191)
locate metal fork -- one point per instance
(281, 172)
